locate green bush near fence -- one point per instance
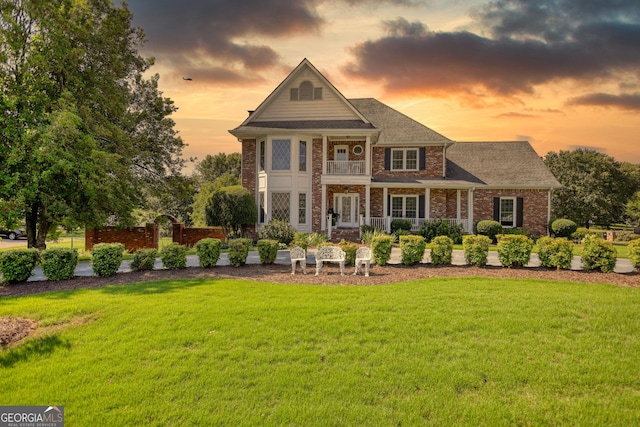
(59, 263)
(239, 251)
(412, 249)
(174, 256)
(208, 251)
(17, 265)
(144, 259)
(106, 258)
(476, 249)
(634, 252)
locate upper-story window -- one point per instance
(281, 154)
(305, 92)
(404, 159)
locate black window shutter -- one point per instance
(387, 159)
(520, 211)
(423, 155)
(388, 205)
(421, 207)
(496, 209)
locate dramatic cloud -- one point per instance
(528, 44)
(629, 102)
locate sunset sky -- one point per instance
(561, 74)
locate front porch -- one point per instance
(384, 223)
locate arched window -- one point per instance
(306, 91)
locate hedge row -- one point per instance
(513, 250)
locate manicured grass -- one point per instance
(438, 352)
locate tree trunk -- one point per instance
(31, 220)
(37, 227)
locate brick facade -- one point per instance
(433, 164)
(316, 187)
(535, 207)
(249, 165)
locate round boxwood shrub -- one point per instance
(268, 250)
(489, 228)
(563, 227)
(17, 265)
(238, 251)
(349, 252)
(514, 250)
(59, 263)
(381, 248)
(634, 252)
(556, 253)
(476, 249)
(442, 250)
(400, 224)
(412, 249)
(174, 256)
(598, 254)
(208, 251)
(106, 258)
(144, 259)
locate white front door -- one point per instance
(347, 209)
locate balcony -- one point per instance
(346, 167)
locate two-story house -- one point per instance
(307, 151)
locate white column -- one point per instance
(323, 207)
(385, 209)
(427, 203)
(367, 206)
(458, 204)
(470, 211)
(367, 159)
(324, 154)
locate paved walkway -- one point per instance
(623, 265)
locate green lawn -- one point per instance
(433, 352)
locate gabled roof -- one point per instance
(499, 164)
(395, 127)
(303, 66)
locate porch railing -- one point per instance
(384, 223)
(345, 167)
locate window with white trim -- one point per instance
(404, 159)
(262, 154)
(404, 206)
(302, 163)
(261, 207)
(508, 211)
(280, 206)
(281, 154)
(302, 208)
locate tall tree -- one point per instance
(594, 189)
(81, 130)
(231, 208)
(213, 167)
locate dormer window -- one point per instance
(305, 92)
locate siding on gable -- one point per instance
(330, 107)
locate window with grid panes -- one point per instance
(280, 207)
(281, 154)
(302, 208)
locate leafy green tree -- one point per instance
(203, 197)
(231, 208)
(632, 210)
(213, 167)
(82, 132)
(594, 189)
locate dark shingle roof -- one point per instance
(312, 124)
(395, 127)
(513, 164)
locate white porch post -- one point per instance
(367, 206)
(324, 154)
(323, 207)
(470, 211)
(385, 209)
(427, 204)
(367, 159)
(458, 204)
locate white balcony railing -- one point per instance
(345, 167)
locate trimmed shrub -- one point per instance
(556, 253)
(144, 259)
(268, 250)
(476, 249)
(106, 258)
(412, 249)
(439, 227)
(489, 228)
(300, 239)
(563, 227)
(239, 251)
(442, 248)
(208, 251)
(514, 250)
(400, 224)
(598, 254)
(349, 250)
(399, 233)
(367, 236)
(381, 249)
(278, 230)
(59, 263)
(17, 265)
(634, 253)
(581, 233)
(174, 256)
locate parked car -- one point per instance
(11, 234)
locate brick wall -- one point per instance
(316, 187)
(190, 236)
(535, 207)
(133, 238)
(433, 165)
(249, 165)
